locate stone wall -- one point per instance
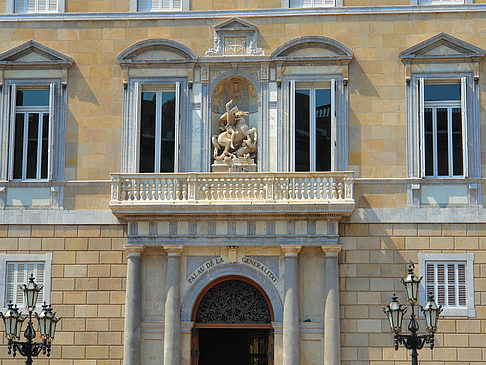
(374, 258)
(87, 289)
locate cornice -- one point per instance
(262, 13)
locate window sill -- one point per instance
(31, 194)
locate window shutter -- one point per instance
(295, 3)
(53, 5)
(306, 3)
(451, 284)
(177, 4)
(421, 125)
(18, 274)
(333, 124)
(292, 124)
(144, 5)
(441, 284)
(318, 3)
(13, 101)
(42, 5)
(11, 281)
(164, 4)
(177, 126)
(461, 281)
(430, 279)
(31, 6)
(464, 124)
(50, 152)
(19, 280)
(19, 6)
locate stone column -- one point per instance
(291, 330)
(133, 308)
(172, 331)
(332, 327)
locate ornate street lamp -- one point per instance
(13, 320)
(395, 312)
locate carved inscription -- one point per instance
(204, 267)
(259, 266)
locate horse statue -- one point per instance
(235, 139)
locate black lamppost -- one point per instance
(395, 312)
(13, 320)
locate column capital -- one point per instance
(173, 250)
(134, 250)
(291, 250)
(331, 250)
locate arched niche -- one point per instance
(205, 280)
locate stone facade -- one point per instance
(326, 248)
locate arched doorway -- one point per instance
(232, 324)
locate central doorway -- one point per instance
(232, 324)
(233, 346)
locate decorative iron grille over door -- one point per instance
(233, 301)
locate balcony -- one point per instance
(232, 194)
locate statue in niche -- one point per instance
(236, 143)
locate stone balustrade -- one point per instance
(180, 188)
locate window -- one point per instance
(159, 125)
(35, 6)
(31, 121)
(449, 277)
(311, 3)
(441, 2)
(16, 270)
(314, 125)
(159, 5)
(443, 125)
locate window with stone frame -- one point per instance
(450, 279)
(443, 127)
(159, 5)
(15, 271)
(31, 124)
(36, 6)
(159, 128)
(443, 2)
(313, 125)
(311, 3)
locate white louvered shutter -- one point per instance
(461, 281)
(31, 6)
(318, 3)
(177, 4)
(42, 5)
(430, 279)
(52, 5)
(19, 6)
(144, 5)
(451, 285)
(307, 3)
(295, 3)
(18, 274)
(441, 300)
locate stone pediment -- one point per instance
(442, 48)
(32, 53)
(316, 48)
(235, 37)
(156, 51)
(235, 24)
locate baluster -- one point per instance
(177, 189)
(158, 190)
(328, 190)
(348, 186)
(165, 189)
(322, 190)
(340, 190)
(334, 190)
(262, 190)
(315, 192)
(123, 192)
(184, 190)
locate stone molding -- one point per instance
(331, 250)
(291, 250)
(173, 250)
(134, 250)
(265, 13)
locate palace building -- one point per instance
(243, 182)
